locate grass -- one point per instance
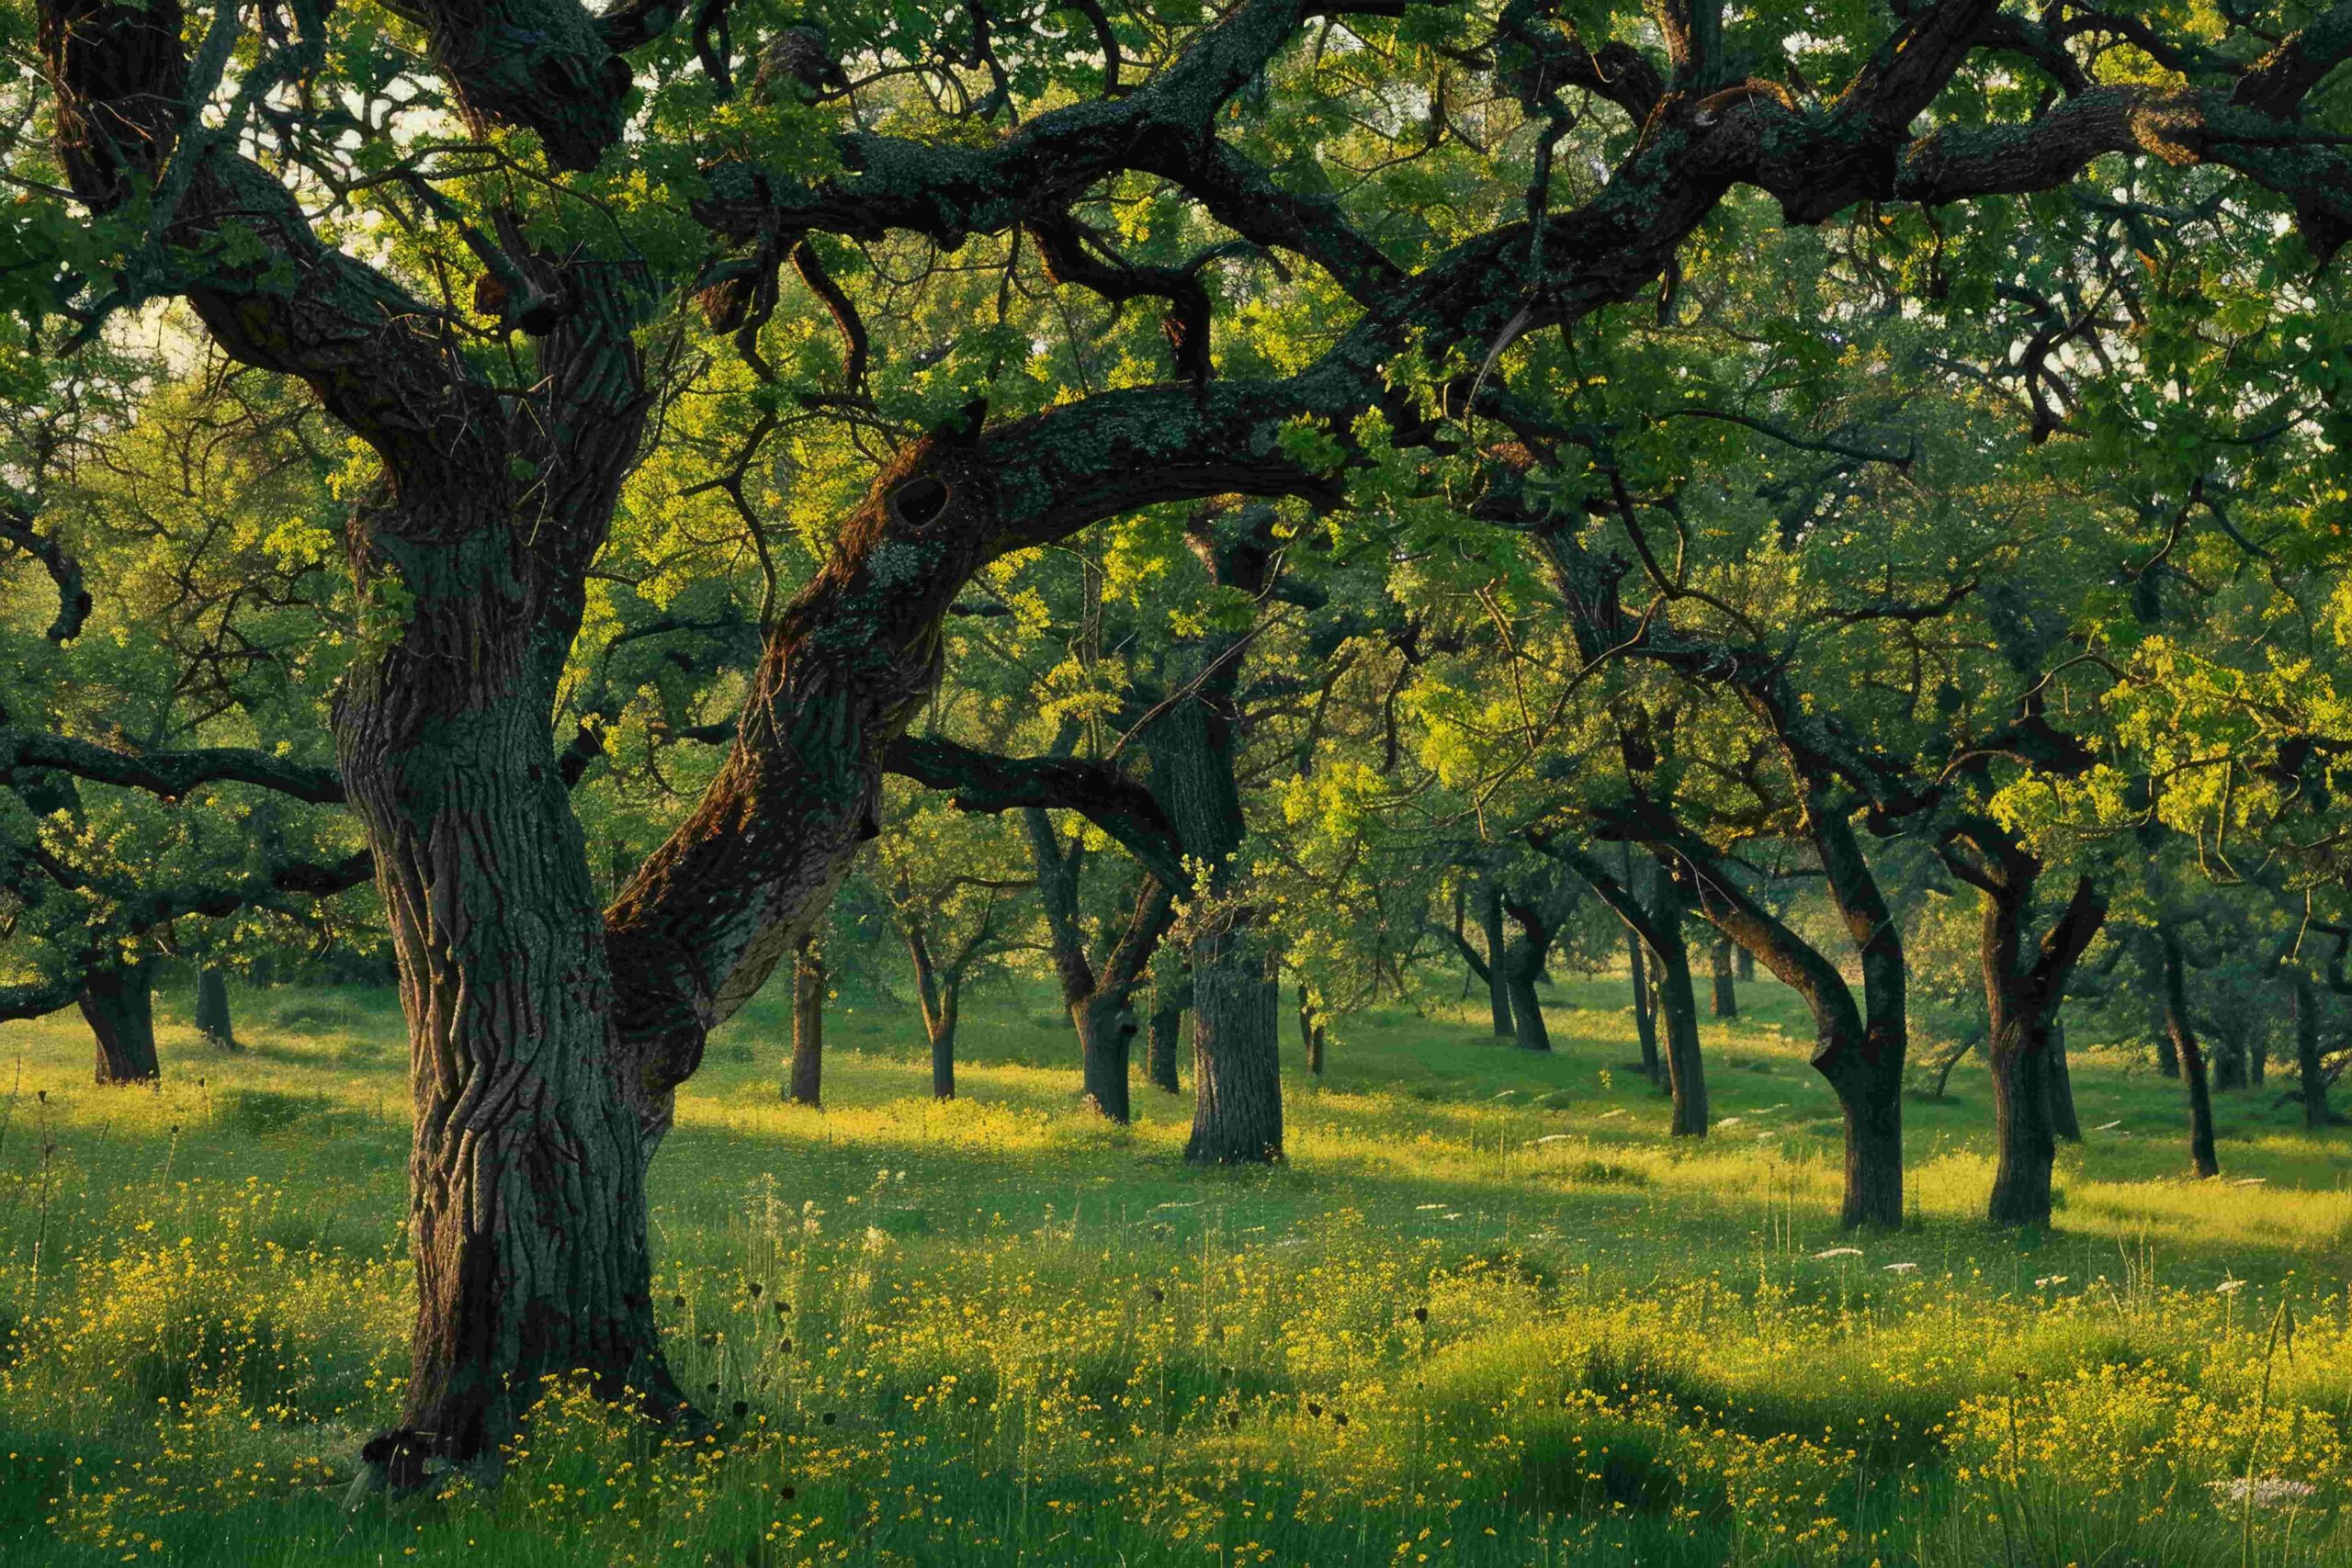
(1487, 1314)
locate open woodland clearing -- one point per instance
(998, 1330)
(1129, 782)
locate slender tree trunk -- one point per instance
(1525, 962)
(2191, 1056)
(1645, 1015)
(1310, 1033)
(118, 1002)
(1727, 999)
(1106, 1028)
(213, 1020)
(2310, 1075)
(1678, 1010)
(2258, 1062)
(1167, 1031)
(1490, 920)
(2167, 1058)
(943, 1039)
(2021, 1129)
(1237, 1072)
(806, 1086)
(2064, 1121)
(937, 996)
(1744, 964)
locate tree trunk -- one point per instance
(1490, 920)
(2021, 1129)
(118, 1002)
(1744, 964)
(1726, 1000)
(527, 1215)
(2167, 1058)
(1645, 1017)
(1525, 1011)
(1873, 1162)
(2191, 1056)
(2310, 1075)
(805, 1085)
(1677, 1011)
(941, 1029)
(1167, 1030)
(212, 1020)
(2229, 1064)
(1236, 1069)
(1310, 1033)
(1106, 1028)
(2064, 1121)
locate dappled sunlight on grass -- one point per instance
(1487, 1314)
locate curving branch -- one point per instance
(1103, 795)
(168, 774)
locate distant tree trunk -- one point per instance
(1645, 1015)
(1099, 995)
(1523, 965)
(2022, 995)
(1236, 1074)
(1490, 921)
(2229, 1062)
(2258, 1061)
(2063, 1118)
(940, 999)
(1310, 1032)
(119, 1001)
(1726, 1002)
(2183, 1037)
(1166, 1031)
(2311, 1077)
(2167, 1058)
(212, 1020)
(806, 1083)
(1744, 962)
(1678, 1010)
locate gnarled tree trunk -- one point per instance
(118, 1002)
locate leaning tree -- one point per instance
(579, 172)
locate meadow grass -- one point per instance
(1487, 1314)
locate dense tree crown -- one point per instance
(581, 510)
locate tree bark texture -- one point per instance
(119, 1002)
(1236, 1070)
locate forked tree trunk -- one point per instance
(213, 1020)
(1727, 999)
(939, 998)
(1490, 922)
(118, 1002)
(2022, 997)
(1166, 1035)
(2182, 1034)
(2063, 1120)
(2310, 1077)
(1236, 1069)
(806, 1080)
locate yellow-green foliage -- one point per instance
(1488, 1314)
